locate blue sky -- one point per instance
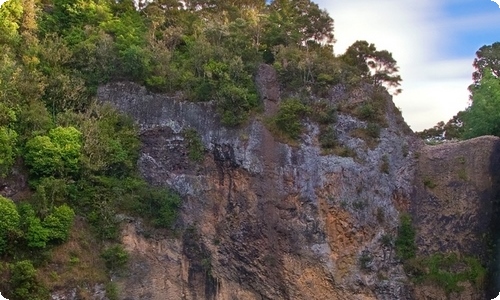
(434, 43)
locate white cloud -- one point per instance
(2, 298)
(2, 2)
(434, 87)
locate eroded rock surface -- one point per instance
(271, 221)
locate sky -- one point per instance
(434, 43)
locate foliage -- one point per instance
(24, 283)
(453, 129)
(405, 241)
(115, 257)
(288, 118)
(194, 145)
(8, 139)
(483, 116)
(57, 153)
(59, 222)
(447, 271)
(9, 220)
(377, 67)
(160, 206)
(486, 62)
(327, 138)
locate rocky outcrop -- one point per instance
(265, 220)
(270, 221)
(455, 205)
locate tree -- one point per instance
(9, 220)
(482, 117)
(379, 67)
(56, 154)
(295, 22)
(58, 223)
(487, 59)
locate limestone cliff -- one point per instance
(265, 220)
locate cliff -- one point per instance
(262, 219)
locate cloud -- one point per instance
(2, 298)
(417, 33)
(2, 2)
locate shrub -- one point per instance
(288, 118)
(8, 138)
(58, 223)
(324, 113)
(194, 145)
(405, 242)
(160, 205)
(115, 258)
(55, 154)
(327, 138)
(9, 221)
(24, 284)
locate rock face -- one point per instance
(264, 220)
(455, 204)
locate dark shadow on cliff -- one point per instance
(493, 284)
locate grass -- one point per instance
(447, 271)
(76, 262)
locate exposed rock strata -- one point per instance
(265, 220)
(274, 221)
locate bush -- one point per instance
(288, 118)
(324, 113)
(159, 205)
(58, 223)
(194, 145)
(8, 138)
(115, 258)
(56, 154)
(24, 284)
(405, 242)
(9, 221)
(327, 138)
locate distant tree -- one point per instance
(453, 129)
(379, 67)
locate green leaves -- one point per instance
(9, 220)
(57, 154)
(483, 116)
(289, 117)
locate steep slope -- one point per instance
(265, 220)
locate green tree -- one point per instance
(56, 154)
(9, 221)
(35, 234)
(482, 117)
(8, 138)
(59, 222)
(24, 283)
(487, 60)
(296, 22)
(377, 67)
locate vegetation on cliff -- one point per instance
(81, 156)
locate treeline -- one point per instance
(482, 116)
(81, 156)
